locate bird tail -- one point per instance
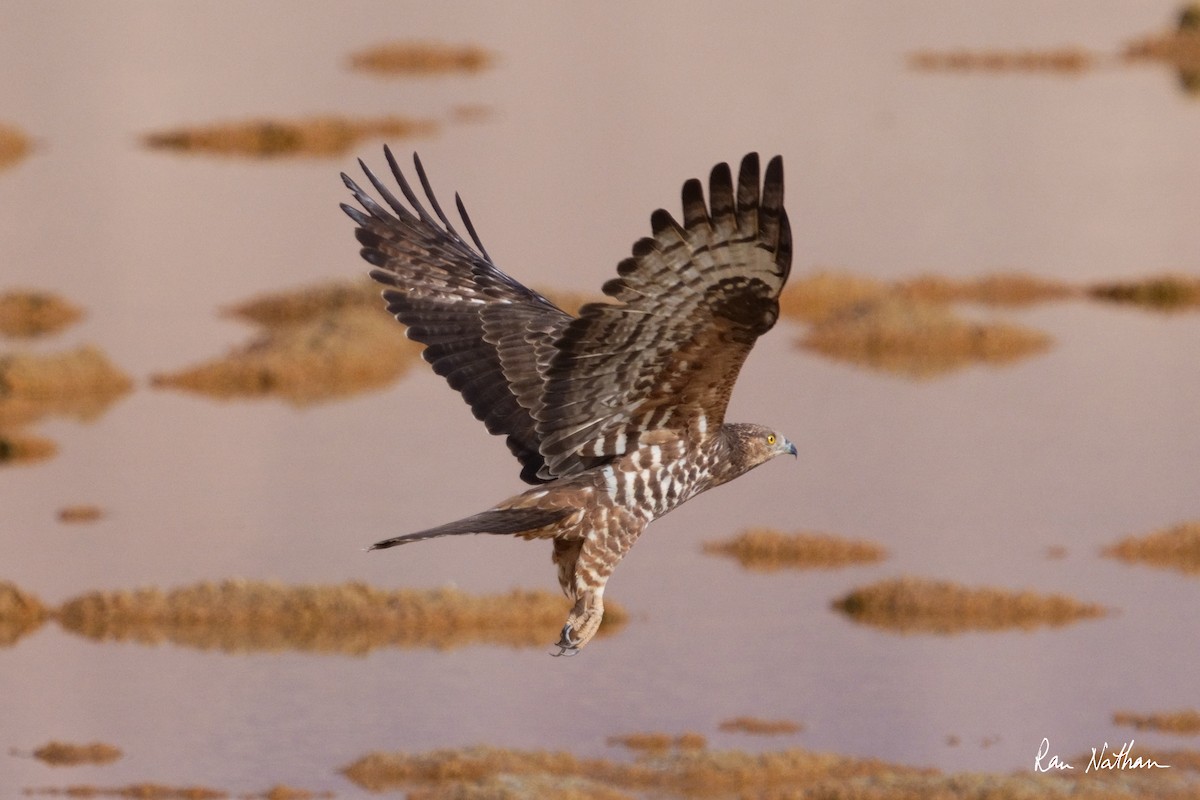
(496, 520)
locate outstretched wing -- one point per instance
(486, 334)
(692, 300)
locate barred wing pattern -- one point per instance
(484, 332)
(692, 301)
(571, 393)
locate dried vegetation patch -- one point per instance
(919, 340)
(677, 773)
(20, 614)
(80, 513)
(765, 550)
(237, 616)
(1005, 289)
(14, 145)
(158, 791)
(913, 605)
(792, 774)
(658, 742)
(267, 138)
(318, 358)
(1177, 547)
(79, 383)
(1178, 48)
(28, 313)
(760, 727)
(64, 754)
(1183, 722)
(1159, 293)
(1062, 59)
(422, 58)
(308, 303)
(18, 447)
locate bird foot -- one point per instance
(567, 645)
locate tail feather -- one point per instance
(498, 521)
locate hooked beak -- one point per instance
(790, 448)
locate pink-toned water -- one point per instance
(600, 114)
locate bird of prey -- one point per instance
(616, 415)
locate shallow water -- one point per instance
(600, 114)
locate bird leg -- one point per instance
(566, 644)
(582, 623)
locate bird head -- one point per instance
(751, 445)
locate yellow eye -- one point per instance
(770, 438)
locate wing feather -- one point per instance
(692, 300)
(570, 393)
(484, 332)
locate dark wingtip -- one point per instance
(386, 543)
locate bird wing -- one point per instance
(691, 301)
(570, 393)
(489, 336)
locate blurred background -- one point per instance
(1079, 168)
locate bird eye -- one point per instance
(770, 438)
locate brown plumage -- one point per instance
(618, 415)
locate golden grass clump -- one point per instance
(79, 383)
(82, 512)
(1177, 547)
(314, 136)
(1179, 48)
(915, 605)
(519, 787)
(793, 774)
(658, 742)
(61, 754)
(14, 145)
(20, 614)
(156, 791)
(1183, 722)
(17, 447)
(25, 314)
(919, 340)
(1160, 293)
(309, 302)
(678, 772)
(134, 791)
(760, 727)
(325, 357)
(1013, 290)
(242, 616)
(766, 550)
(283, 792)
(817, 297)
(1062, 59)
(422, 58)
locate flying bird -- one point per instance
(616, 415)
